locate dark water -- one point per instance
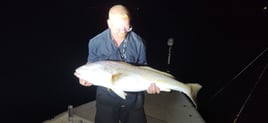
(45, 41)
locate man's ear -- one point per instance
(108, 23)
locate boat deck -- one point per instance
(166, 107)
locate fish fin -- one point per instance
(115, 77)
(195, 87)
(120, 93)
(158, 71)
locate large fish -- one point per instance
(122, 77)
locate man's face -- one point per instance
(119, 25)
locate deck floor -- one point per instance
(166, 107)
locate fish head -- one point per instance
(95, 74)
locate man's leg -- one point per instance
(107, 107)
(131, 110)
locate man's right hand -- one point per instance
(82, 81)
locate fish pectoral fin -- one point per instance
(116, 77)
(120, 93)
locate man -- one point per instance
(119, 43)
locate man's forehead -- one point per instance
(118, 16)
(118, 11)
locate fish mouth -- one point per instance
(77, 74)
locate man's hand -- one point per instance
(83, 82)
(153, 89)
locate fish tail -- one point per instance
(195, 87)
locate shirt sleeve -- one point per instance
(92, 56)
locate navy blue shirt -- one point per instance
(131, 50)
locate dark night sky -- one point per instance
(44, 41)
